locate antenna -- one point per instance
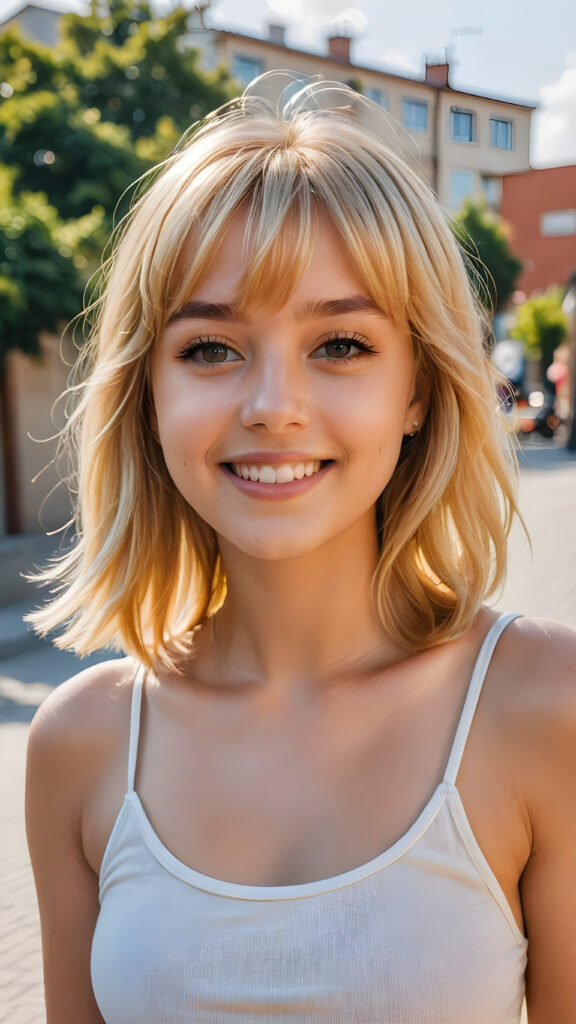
(458, 32)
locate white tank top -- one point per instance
(422, 934)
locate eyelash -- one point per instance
(352, 338)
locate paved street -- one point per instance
(544, 585)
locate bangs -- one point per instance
(278, 241)
(275, 198)
(282, 192)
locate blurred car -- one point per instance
(537, 415)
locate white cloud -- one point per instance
(400, 61)
(554, 123)
(337, 15)
(351, 21)
(320, 12)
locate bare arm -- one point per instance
(548, 885)
(65, 759)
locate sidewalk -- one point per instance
(21, 990)
(21, 995)
(543, 586)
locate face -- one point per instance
(281, 428)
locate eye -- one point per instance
(208, 353)
(343, 347)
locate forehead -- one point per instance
(326, 270)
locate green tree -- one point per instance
(91, 115)
(492, 266)
(137, 70)
(40, 286)
(542, 325)
(44, 262)
(78, 123)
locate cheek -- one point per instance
(182, 429)
(375, 434)
(183, 412)
(376, 418)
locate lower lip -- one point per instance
(277, 492)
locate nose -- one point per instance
(276, 398)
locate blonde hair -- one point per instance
(145, 569)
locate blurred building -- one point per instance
(540, 208)
(467, 143)
(39, 23)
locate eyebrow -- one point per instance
(226, 311)
(198, 310)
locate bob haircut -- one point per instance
(145, 568)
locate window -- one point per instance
(492, 189)
(462, 125)
(415, 115)
(558, 222)
(377, 96)
(244, 69)
(462, 185)
(501, 133)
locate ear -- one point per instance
(418, 406)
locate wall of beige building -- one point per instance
(433, 145)
(39, 23)
(480, 157)
(36, 384)
(391, 91)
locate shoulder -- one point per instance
(533, 703)
(82, 722)
(535, 660)
(79, 705)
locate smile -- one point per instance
(285, 473)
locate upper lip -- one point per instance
(273, 458)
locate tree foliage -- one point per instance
(40, 272)
(78, 123)
(492, 266)
(542, 325)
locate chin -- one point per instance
(277, 548)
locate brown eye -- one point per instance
(343, 348)
(205, 353)
(338, 349)
(214, 353)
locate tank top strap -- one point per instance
(136, 706)
(474, 691)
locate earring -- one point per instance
(415, 423)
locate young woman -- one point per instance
(326, 783)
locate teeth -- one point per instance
(283, 474)
(267, 475)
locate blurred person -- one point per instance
(326, 782)
(558, 374)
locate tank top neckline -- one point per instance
(446, 788)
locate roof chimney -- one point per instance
(276, 35)
(437, 74)
(339, 48)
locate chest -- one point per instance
(417, 937)
(281, 800)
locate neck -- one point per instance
(293, 623)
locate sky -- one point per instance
(513, 49)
